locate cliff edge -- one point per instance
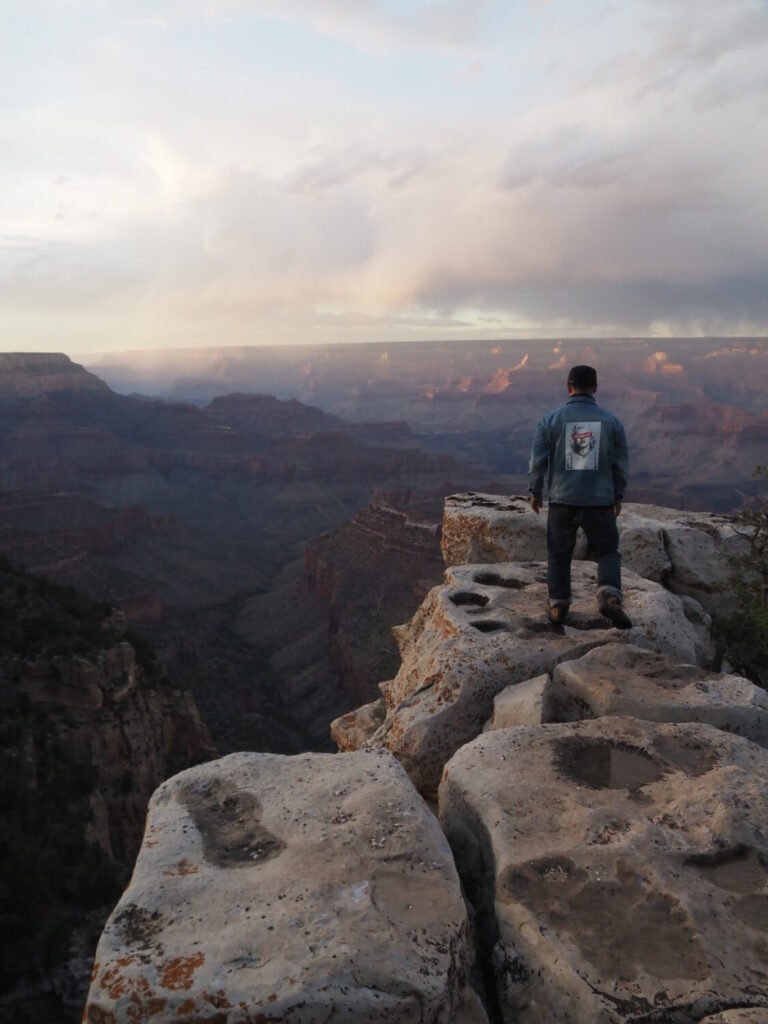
(89, 727)
(602, 796)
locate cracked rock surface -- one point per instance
(619, 870)
(274, 888)
(487, 628)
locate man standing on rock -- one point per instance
(585, 451)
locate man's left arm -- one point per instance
(620, 467)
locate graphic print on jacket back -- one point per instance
(582, 445)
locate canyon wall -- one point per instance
(90, 727)
(185, 517)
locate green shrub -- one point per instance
(745, 634)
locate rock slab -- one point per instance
(484, 630)
(619, 869)
(522, 704)
(690, 552)
(621, 679)
(274, 888)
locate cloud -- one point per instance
(382, 24)
(238, 179)
(568, 155)
(676, 53)
(326, 170)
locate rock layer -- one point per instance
(272, 888)
(618, 868)
(484, 630)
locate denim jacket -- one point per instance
(585, 450)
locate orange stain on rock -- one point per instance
(177, 973)
(113, 982)
(217, 999)
(141, 1011)
(95, 1015)
(186, 1007)
(182, 868)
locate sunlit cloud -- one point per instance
(253, 171)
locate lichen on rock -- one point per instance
(313, 886)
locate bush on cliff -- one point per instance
(746, 633)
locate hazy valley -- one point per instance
(694, 408)
(265, 517)
(220, 494)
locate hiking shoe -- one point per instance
(610, 607)
(558, 612)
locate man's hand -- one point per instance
(535, 503)
(617, 508)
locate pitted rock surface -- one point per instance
(689, 552)
(274, 888)
(618, 867)
(621, 679)
(487, 628)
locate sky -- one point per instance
(232, 172)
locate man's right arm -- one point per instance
(537, 464)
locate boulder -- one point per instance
(619, 869)
(701, 547)
(496, 528)
(350, 731)
(690, 552)
(484, 630)
(271, 888)
(621, 679)
(521, 704)
(642, 545)
(491, 528)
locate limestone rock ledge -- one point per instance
(619, 870)
(484, 630)
(617, 866)
(621, 679)
(689, 552)
(274, 888)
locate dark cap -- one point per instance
(583, 377)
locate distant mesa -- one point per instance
(255, 412)
(31, 374)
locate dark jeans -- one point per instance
(599, 524)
